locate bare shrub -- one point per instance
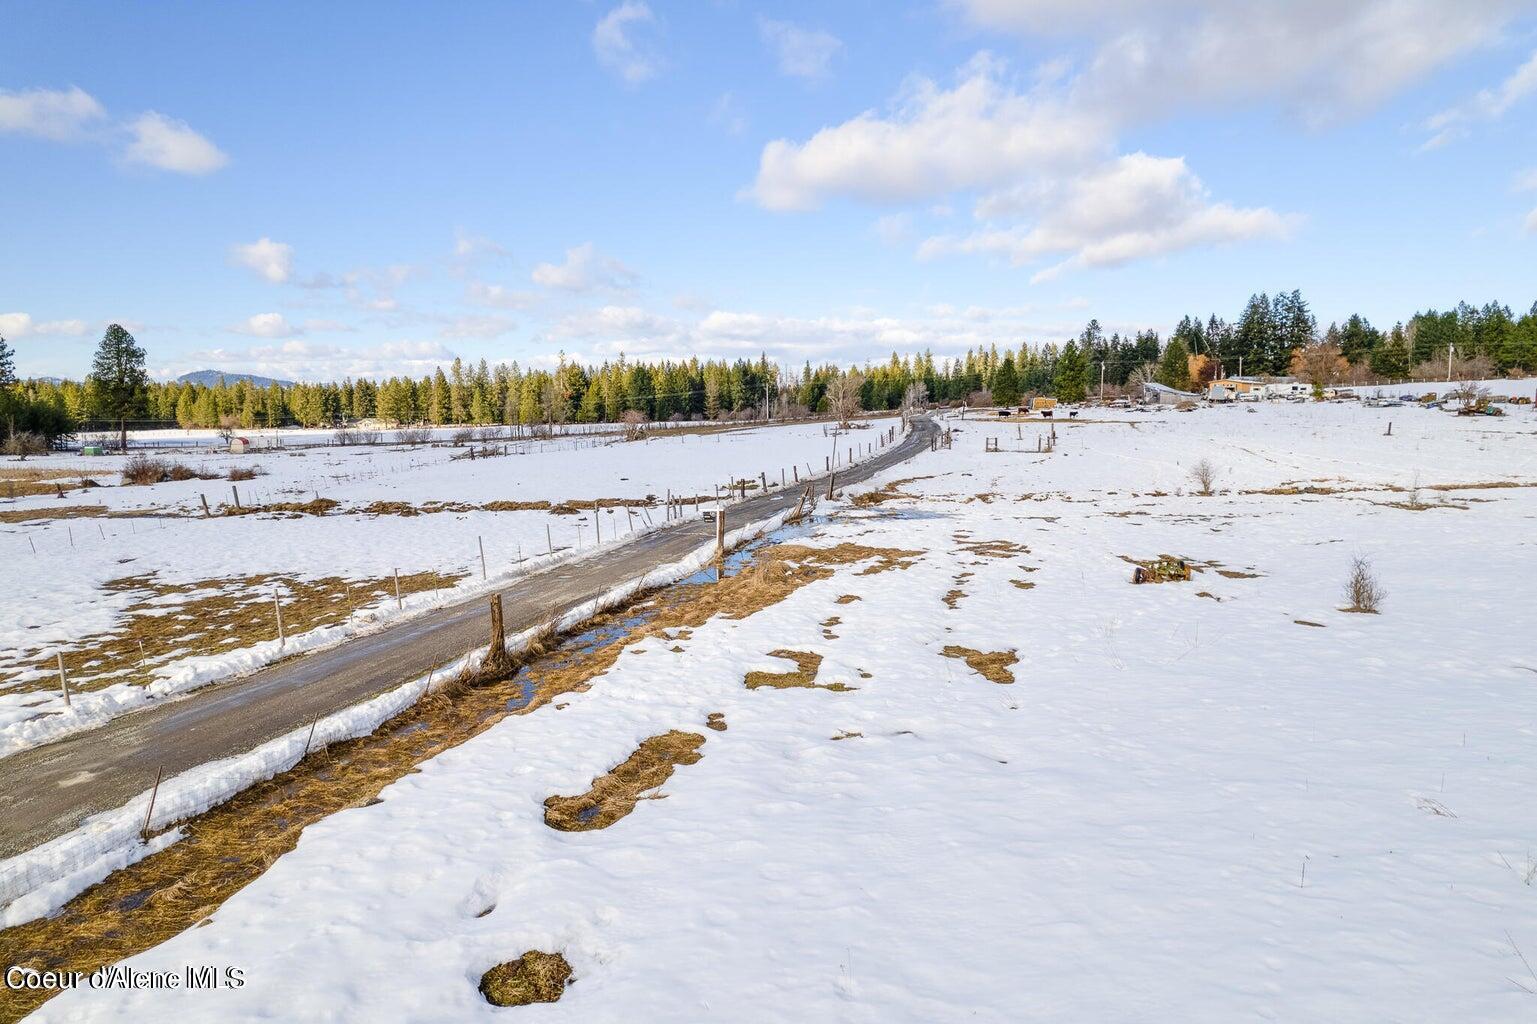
(1205, 476)
(463, 436)
(182, 471)
(413, 435)
(1362, 590)
(369, 437)
(1469, 397)
(245, 472)
(634, 422)
(343, 436)
(490, 433)
(23, 443)
(140, 470)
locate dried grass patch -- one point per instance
(953, 598)
(615, 793)
(1234, 574)
(28, 481)
(34, 515)
(890, 492)
(715, 720)
(1023, 584)
(802, 677)
(992, 548)
(534, 977)
(990, 665)
(848, 599)
(287, 509)
(168, 621)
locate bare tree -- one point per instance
(1469, 396)
(843, 396)
(1362, 589)
(1205, 476)
(1321, 365)
(634, 424)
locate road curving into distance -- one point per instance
(48, 790)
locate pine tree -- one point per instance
(1174, 370)
(1071, 380)
(1005, 385)
(7, 364)
(118, 379)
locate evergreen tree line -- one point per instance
(1266, 339)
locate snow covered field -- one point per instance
(60, 595)
(1214, 800)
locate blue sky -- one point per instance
(317, 190)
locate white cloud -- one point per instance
(584, 270)
(171, 145)
(57, 114)
(478, 327)
(21, 325)
(1134, 208)
(468, 247)
(498, 296)
(979, 134)
(1526, 181)
(274, 261)
(853, 336)
(801, 52)
(1323, 58)
(615, 41)
(267, 325)
(727, 113)
(1488, 105)
(306, 360)
(893, 228)
(1531, 222)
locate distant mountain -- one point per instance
(208, 378)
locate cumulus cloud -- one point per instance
(1324, 59)
(21, 325)
(1488, 105)
(617, 41)
(980, 133)
(57, 114)
(273, 261)
(171, 145)
(800, 52)
(267, 325)
(1135, 207)
(585, 269)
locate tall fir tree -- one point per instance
(118, 379)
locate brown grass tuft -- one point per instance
(614, 794)
(803, 677)
(534, 977)
(715, 720)
(990, 665)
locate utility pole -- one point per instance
(1240, 366)
(1448, 362)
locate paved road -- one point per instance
(41, 795)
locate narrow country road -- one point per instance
(47, 791)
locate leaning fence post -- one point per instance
(277, 603)
(150, 811)
(482, 546)
(398, 605)
(206, 514)
(547, 538)
(236, 492)
(63, 677)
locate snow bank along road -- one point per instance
(46, 791)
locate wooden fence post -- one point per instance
(720, 533)
(150, 811)
(63, 677)
(236, 492)
(497, 659)
(277, 603)
(481, 545)
(397, 590)
(206, 514)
